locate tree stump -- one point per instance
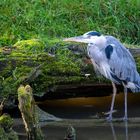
(71, 133)
(29, 113)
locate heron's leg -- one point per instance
(112, 103)
(125, 103)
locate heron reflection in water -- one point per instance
(114, 131)
(113, 61)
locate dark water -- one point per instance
(104, 132)
(81, 114)
(86, 108)
(107, 131)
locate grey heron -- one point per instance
(113, 61)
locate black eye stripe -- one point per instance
(94, 33)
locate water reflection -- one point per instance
(84, 110)
(114, 131)
(126, 130)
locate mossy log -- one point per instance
(29, 113)
(47, 65)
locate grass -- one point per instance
(27, 19)
(34, 27)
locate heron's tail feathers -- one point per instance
(134, 83)
(136, 88)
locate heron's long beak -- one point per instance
(80, 39)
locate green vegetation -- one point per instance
(6, 131)
(27, 19)
(29, 62)
(31, 50)
(6, 121)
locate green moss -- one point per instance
(6, 131)
(41, 69)
(25, 93)
(6, 121)
(24, 66)
(13, 76)
(33, 45)
(6, 40)
(2, 134)
(21, 90)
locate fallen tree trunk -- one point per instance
(26, 64)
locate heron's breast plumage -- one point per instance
(99, 60)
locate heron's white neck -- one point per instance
(100, 41)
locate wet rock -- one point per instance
(71, 133)
(45, 117)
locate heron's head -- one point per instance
(91, 37)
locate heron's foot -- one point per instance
(125, 118)
(109, 118)
(110, 112)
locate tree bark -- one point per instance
(135, 52)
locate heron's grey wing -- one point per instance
(121, 62)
